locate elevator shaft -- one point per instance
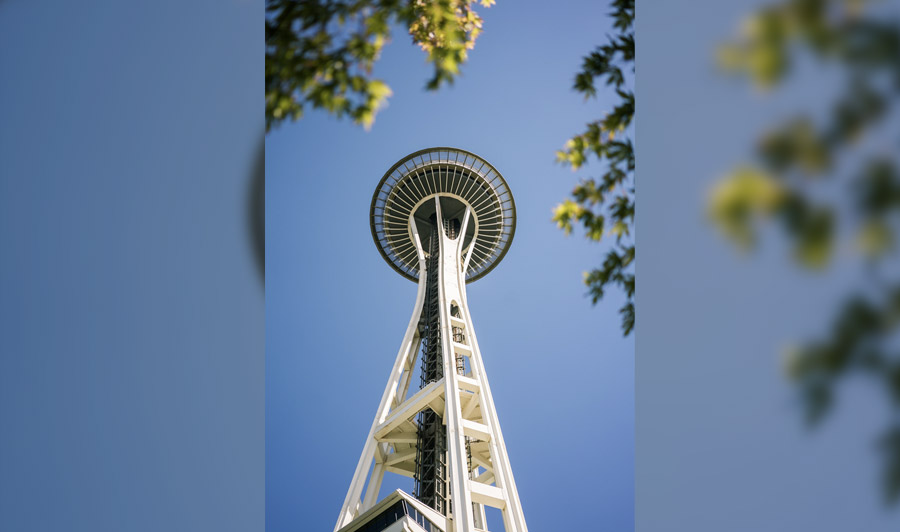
(431, 436)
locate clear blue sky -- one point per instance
(561, 373)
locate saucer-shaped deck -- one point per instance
(461, 179)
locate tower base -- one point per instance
(398, 512)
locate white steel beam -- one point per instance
(488, 495)
(396, 458)
(409, 408)
(468, 383)
(485, 477)
(406, 469)
(476, 430)
(399, 437)
(470, 407)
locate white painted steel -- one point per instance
(464, 400)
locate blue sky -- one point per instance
(561, 373)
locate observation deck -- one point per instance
(461, 179)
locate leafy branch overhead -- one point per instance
(604, 206)
(802, 158)
(321, 53)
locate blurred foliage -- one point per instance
(798, 159)
(604, 206)
(320, 53)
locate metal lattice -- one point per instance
(431, 435)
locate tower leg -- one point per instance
(484, 425)
(457, 458)
(374, 485)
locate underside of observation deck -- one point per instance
(462, 180)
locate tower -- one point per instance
(441, 217)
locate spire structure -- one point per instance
(441, 217)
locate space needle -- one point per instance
(441, 217)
